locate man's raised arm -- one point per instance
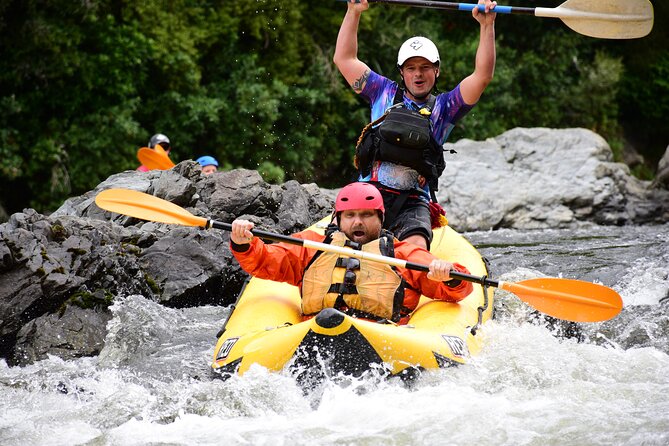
(353, 69)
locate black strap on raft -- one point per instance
(481, 309)
(486, 300)
(233, 307)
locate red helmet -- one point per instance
(359, 196)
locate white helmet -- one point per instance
(418, 47)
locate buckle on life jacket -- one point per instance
(354, 245)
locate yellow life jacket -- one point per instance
(373, 290)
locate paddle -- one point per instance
(567, 299)
(606, 19)
(154, 158)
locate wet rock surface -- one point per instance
(542, 178)
(59, 274)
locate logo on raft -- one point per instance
(457, 345)
(226, 348)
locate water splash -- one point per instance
(151, 384)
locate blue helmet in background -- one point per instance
(207, 161)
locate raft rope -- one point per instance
(482, 308)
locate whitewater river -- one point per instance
(151, 384)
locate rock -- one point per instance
(74, 333)
(543, 178)
(637, 326)
(192, 267)
(240, 192)
(47, 263)
(297, 204)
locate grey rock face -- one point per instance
(543, 178)
(59, 274)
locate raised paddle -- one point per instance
(154, 158)
(568, 299)
(606, 19)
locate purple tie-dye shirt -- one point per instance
(448, 109)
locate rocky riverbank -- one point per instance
(60, 273)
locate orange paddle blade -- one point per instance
(568, 299)
(154, 159)
(146, 207)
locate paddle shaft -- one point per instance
(515, 288)
(431, 4)
(351, 253)
(529, 294)
(562, 298)
(559, 12)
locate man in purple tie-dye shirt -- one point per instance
(418, 62)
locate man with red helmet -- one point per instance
(358, 287)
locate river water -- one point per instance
(151, 384)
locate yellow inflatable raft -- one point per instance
(266, 327)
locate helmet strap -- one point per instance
(335, 216)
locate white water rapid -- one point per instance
(151, 385)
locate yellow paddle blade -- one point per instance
(146, 207)
(604, 19)
(154, 159)
(568, 299)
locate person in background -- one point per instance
(403, 156)
(208, 163)
(157, 139)
(358, 287)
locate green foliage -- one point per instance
(83, 85)
(271, 172)
(644, 91)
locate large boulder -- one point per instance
(73, 332)
(49, 263)
(60, 273)
(544, 178)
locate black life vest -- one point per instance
(402, 136)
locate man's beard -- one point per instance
(360, 235)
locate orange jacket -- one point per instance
(283, 262)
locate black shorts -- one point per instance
(412, 218)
